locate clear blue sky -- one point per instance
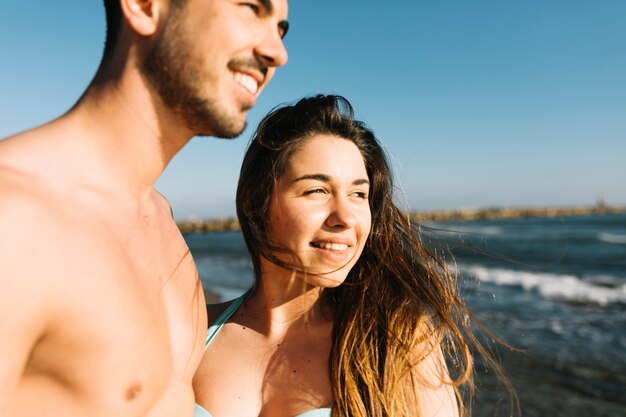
(480, 103)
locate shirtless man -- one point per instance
(101, 309)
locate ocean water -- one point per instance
(555, 289)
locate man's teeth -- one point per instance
(246, 82)
(331, 246)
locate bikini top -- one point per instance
(214, 329)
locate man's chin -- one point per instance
(224, 133)
(210, 121)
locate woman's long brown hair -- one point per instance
(399, 296)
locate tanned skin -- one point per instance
(101, 309)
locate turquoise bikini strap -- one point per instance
(215, 328)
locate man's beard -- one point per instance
(174, 74)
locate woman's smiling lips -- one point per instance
(332, 244)
(336, 250)
(329, 245)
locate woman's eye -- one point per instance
(360, 194)
(315, 191)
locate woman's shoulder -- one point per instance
(434, 386)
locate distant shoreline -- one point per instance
(231, 223)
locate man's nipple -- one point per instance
(133, 391)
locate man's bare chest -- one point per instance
(124, 334)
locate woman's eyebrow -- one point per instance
(326, 178)
(317, 177)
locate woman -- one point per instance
(349, 311)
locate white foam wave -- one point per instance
(552, 286)
(612, 238)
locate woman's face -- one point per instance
(319, 208)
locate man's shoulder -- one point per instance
(26, 200)
(44, 248)
(23, 196)
(42, 228)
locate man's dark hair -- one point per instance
(113, 13)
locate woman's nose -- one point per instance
(341, 215)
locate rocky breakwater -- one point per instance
(207, 226)
(512, 212)
(231, 223)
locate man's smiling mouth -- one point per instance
(246, 81)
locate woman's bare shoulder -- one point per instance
(434, 386)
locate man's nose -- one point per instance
(272, 49)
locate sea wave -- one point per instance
(558, 287)
(612, 238)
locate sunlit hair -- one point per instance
(398, 302)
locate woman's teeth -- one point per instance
(331, 246)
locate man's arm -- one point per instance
(23, 286)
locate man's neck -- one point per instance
(129, 128)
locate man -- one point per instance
(101, 309)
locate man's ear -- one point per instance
(142, 15)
